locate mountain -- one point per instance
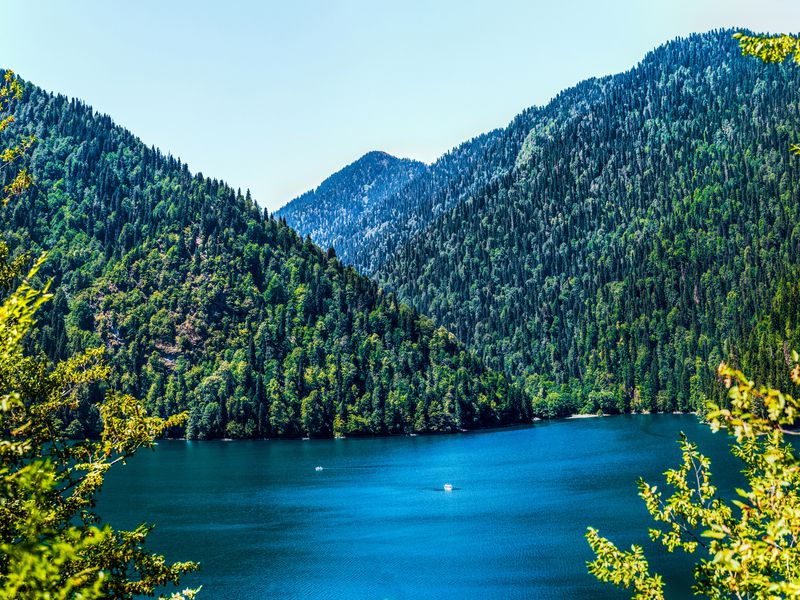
(645, 228)
(207, 304)
(349, 199)
(370, 234)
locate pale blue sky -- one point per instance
(276, 96)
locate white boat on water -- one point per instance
(448, 487)
(318, 468)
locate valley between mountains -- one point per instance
(601, 253)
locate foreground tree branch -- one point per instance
(52, 544)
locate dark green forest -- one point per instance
(644, 229)
(206, 303)
(601, 253)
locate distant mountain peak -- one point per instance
(625, 235)
(369, 167)
(362, 187)
(379, 154)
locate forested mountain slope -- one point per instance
(649, 229)
(368, 236)
(613, 246)
(207, 304)
(350, 197)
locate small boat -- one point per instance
(448, 487)
(318, 468)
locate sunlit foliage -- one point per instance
(748, 546)
(52, 544)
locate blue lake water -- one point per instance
(377, 523)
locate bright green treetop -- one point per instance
(773, 49)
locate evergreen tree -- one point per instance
(206, 305)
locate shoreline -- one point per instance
(510, 427)
(647, 412)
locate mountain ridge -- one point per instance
(410, 208)
(205, 303)
(344, 197)
(605, 207)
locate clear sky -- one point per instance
(275, 96)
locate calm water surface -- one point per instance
(376, 523)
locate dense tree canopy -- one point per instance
(52, 544)
(207, 304)
(620, 241)
(751, 543)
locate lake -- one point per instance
(375, 522)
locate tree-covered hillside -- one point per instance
(612, 246)
(206, 303)
(648, 229)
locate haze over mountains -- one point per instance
(610, 248)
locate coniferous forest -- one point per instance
(205, 303)
(631, 246)
(607, 250)
(601, 253)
